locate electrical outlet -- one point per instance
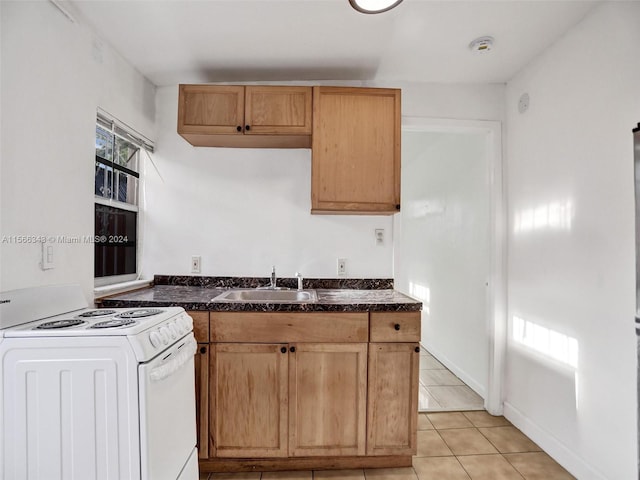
(342, 266)
(195, 263)
(379, 232)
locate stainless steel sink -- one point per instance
(268, 296)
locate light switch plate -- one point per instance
(47, 256)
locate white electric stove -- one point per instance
(94, 393)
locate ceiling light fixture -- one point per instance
(374, 6)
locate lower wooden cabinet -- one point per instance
(277, 400)
(392, 411)
(327, 395)
(320, 403)
(201, 361)
(249, 413)
(202, 399)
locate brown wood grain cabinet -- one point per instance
(392, 398)
(202, 399)
(355, 167)
(327, 395)
(201, 360)
(249, 384)
(254, 116)
(291, 391)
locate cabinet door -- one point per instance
(211, 109)
(278, 110)
(249, 385)
(327, 399)
(202, 399)
(392, 414)
(356, 150)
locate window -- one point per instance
(116, 185)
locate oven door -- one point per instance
(168, 411)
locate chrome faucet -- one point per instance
(273, 278)
(299, 277)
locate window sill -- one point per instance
(105, 291)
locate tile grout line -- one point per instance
(480, 454)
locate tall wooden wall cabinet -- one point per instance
(355, 150)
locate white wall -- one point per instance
(244, 210)
(571, 245)
(453, 101)
(55, 74)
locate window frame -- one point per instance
(119, 129)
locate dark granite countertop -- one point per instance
(329, 299)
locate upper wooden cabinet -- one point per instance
(245, 116)
(277, 110)
(356, 151)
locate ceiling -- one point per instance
(190, 41)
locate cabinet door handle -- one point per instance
(247, 127)
(292, 349)
(397, 326)
(203, 350)
(417, 349)
(239, 128)
(283, 349)
(397, 206)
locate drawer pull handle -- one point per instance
(283, 349)
(292, 349)
(397, 326)
(417, 349)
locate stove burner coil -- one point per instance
(147, 312)
(60, 324)
(97, 313)
(113, 323)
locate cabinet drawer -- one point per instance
(395, 327)
(200, 326)
(270, 327)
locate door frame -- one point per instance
(496, 298)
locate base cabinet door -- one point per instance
(393, 398)
(327, 399)
(201, 362)
(249, 400)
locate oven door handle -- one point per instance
(179, 358)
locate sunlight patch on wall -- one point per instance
(422, 293)
(548, 342)
(550, 216)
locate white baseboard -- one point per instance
(573, 463)
(458, 372)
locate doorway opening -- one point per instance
(449, 253)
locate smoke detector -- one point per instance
(481, 44)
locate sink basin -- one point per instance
(268, 296)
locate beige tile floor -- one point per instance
(468, 445)
(441, 391)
